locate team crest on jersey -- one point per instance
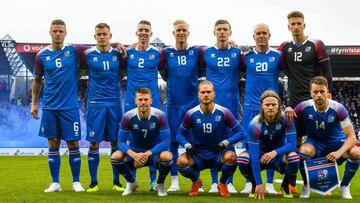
(310, 117)
(331, 119)
(251, 60)
(67, 53)
(191, 52)
(171, 54)
(217, 118)
(47, 58)
(233, 54)
(42, 129)
(307, 49)
(131, 56)
(76, 134)
(290, 49)
(114, 58)
(91, 134)
(135, 126)
(272, 59)
(212, 56)
(278, 126)
(266, 132)
(151, 56)
(95, 59)
(152, 125)
(198, 120)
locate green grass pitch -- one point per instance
(24, 178)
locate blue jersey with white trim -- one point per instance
(324, 127)
(142, 71)
(182, 76)
(60, 71)
(272, 136)
(265, 137)
(262, 72)
(104, 76)
(223, 70)
(209, 130)
(151, 134)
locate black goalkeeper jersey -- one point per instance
(303, 62)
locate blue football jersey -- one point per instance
(208, 130)
(223, 70)
(263, 137)
(262, 72)
(143, 135)
(104, 76)
(272, 136)
(182, 76)
(142, 71)
(60, 71)
(324, 127)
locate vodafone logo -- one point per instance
(34, 48)
(26, 48)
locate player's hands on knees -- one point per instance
(268, 157)
(333, 156)
(219, 148)
(34, 111)
(140, 160)
(191, 151)
(290, 114)
(259, 192)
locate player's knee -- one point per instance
(54, 143)
(118, 155)
(229, 157)
(354, 153)
(165, 156)
(94, 144)
(72, 144)
(182, 161)
(306, 149)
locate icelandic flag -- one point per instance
(322, 176)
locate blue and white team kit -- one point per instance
(104, 105)
(60, 118)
